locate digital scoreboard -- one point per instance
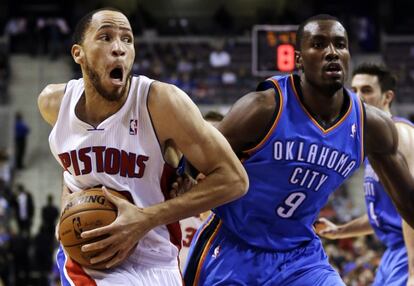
(273, 49)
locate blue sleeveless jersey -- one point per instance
(383, 215)
(293, 171)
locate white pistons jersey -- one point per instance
(121, 153)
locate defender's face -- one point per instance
(108, 53)
(324, 54)
(368, 88)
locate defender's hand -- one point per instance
(183, 184)
(410, 281)
(325, 228)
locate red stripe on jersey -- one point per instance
(77, 274)
(167, 179)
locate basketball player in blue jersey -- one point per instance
(299, 137)
(376, 85)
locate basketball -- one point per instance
(87, 210)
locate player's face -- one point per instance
(368, 88)
(109, 53)
(324, 55)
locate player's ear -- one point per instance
(388, 97)
(77, 53)
(298, 60)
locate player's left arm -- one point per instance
(408, 233)
(405, 146)
(389, 162)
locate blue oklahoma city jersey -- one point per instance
(293, 171)
(383, 215)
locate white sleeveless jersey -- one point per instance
(122, 153)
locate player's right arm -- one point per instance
(405, 146)
(357, 227)
(49, 101)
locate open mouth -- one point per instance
(333, 67)
(333, 70)
(117, 75)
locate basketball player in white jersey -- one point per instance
(112, 129)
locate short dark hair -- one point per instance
(387, 80)
(213, 116)
(319, 17)
(83, 24)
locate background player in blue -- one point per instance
(376, 85)
(299, 138)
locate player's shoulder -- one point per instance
(49, 101)
(382, 136)
(164, 96)
(163, 89)
(405, 132)
(257, 102)
(404, 124)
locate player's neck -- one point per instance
(92, 108)
(325, 107)
(387, 110)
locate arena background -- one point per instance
(174, 43)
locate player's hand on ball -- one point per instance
(325, 228)
(131, 224)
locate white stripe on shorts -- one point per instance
(138, 275)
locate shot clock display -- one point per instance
(273, 49)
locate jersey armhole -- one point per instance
(364, 120)
(272, 122)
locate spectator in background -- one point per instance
(24, 208)
(4, 206)
(5, 167)
(49, 215)
(20, 249)
(5, 256)
(223, 20)
(22, 130)
(219, 57)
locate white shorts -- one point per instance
(127, 273)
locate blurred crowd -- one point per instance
(45, 29)
(26, 258)
(356, 259)
(4, 73)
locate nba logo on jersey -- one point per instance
(133, 123)
(353, 130)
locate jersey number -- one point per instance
(292, 202)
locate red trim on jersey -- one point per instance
(167, 179)
(77, 274)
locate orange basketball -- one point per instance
(87, 210)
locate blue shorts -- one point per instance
(393, 270)
(217, 257)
